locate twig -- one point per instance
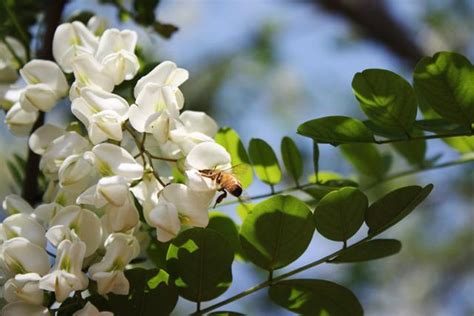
(30, 184)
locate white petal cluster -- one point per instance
(101, 180)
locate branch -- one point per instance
(367, 187)
(30, 184)
(280, 277)
(426, 137)
(376, 22)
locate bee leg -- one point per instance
(221, 197)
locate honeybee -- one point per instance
(227, 181)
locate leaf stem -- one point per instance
(435, 136)
(279, 278)
(367, 187)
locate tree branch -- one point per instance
(376, 22)
(30, 183)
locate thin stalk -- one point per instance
(279, 278)
(435, 136)
(21, 32)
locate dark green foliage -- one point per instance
(276, 232)
(315, 297)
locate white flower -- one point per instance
(116, 53)
(165, 74)
(21, 256)
(20, 121)
(71, 40)
(8, 62)
(97, 25)
(90, 310)
(66, 275)
(206, 156)
(22, 225)
(77, 172)
(46, 85)
(14, 204)
(179, 204)
(89, 73)
(155, 111)
(24, 287)
(120, 250)
(83, 222)
(71, 143)
(113, 160)
(10, 94)
(43, 213)
(199, 122)
(146, 192)
(113, 194)
(43, 136)
(103, 114)
(22, 308)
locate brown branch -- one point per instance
(30, 183)
(376, 22)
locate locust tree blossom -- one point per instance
(66, 276)
(108, 273)
(87, 227)
(102, 113)
(22, 308)
(116, 52)
(90, 310)
(71, 40)
(46, 84)
(8, 62)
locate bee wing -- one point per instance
(245, 198)
(240, 170)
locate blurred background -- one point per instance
(264, 67)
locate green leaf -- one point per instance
(224, 225)
(200, 261)
(463, 144)
(230, 140)
(292, 158)
(315, 297)
(444, 82)
(370, 250)
(336, 130)
(264, 161)
(340, 214)
(276, 232)
(394, 206)
(412, 150)
(442, 126)
(152, 292)
(366, 159)
(386, 98)
(156, 252)
(243, 209)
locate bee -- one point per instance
(226, 180)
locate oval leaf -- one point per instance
(444, 82)
(224, 225)
(394, 206)
(412, 150)
(152, 292)
(200, 260)
(276, 232)
(340, 214)
(264, 161)
(370, 250)
(292, 158)
(366, 159)
(230, 140)
(315, 297)
(336, 130)
(386, 98)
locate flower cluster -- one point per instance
(88, 225)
